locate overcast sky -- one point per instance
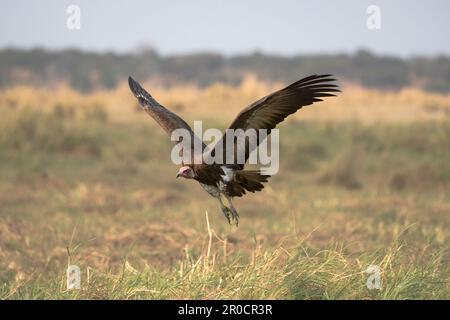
(284, 27)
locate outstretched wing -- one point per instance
(269, 111)
(168, 120)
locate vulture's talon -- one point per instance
(227, 213)
(235, 215)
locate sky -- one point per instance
(283, 27)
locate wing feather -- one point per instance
(272, 109)
(168, 120)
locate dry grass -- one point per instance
(364, 179)
(354, 103)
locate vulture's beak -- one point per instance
(178, 175)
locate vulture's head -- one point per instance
(186, 172)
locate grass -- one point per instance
(87, 180)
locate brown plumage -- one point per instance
(230, 180)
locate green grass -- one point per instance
(347, 196)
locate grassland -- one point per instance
(87, 179)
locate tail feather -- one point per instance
(248, 180)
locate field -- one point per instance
(86, 179)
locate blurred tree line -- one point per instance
(88, 71)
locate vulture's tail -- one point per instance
(250, 180)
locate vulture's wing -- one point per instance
(168, 120)
(267, 112)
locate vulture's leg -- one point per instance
(234, 212)
(226, 211)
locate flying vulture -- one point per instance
(226, 180)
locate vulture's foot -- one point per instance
(227, 213)
(234, 214)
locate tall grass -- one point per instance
(364, 180)
(298, 272)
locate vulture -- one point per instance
(226, 180)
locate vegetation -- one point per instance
(89, 71)
(86, 179)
